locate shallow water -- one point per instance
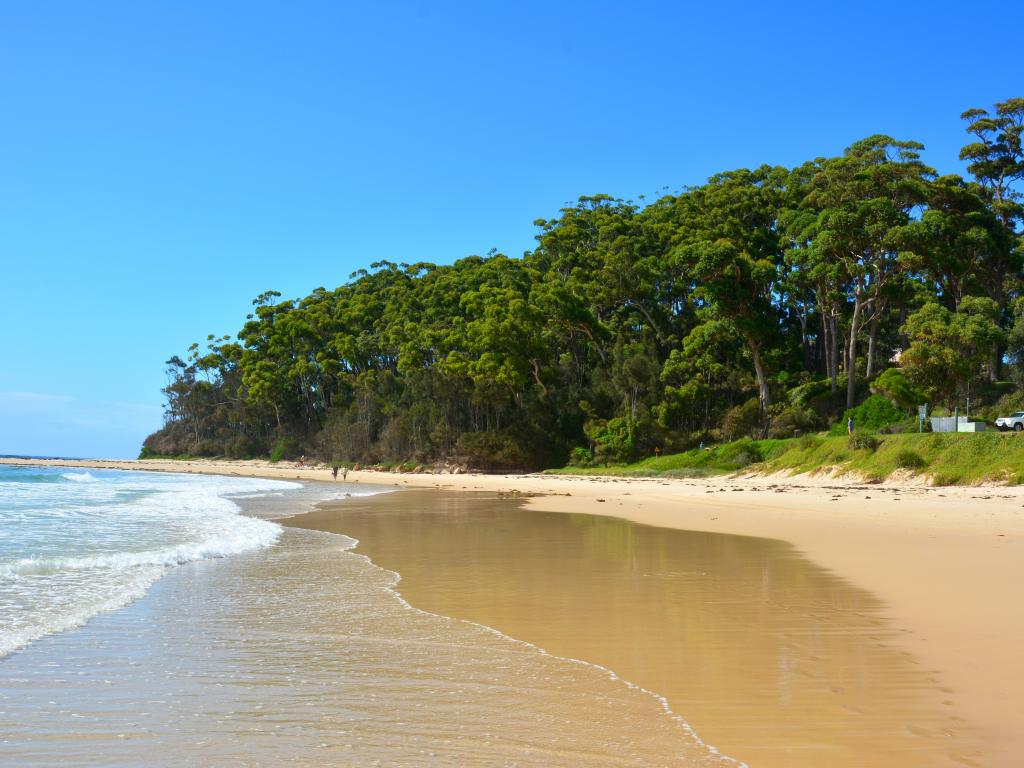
(768, 656)
(74, 543)
(302, 654)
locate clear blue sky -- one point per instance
(163, 163)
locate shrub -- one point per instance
(494, 451)
(908, 459)
(740, 454)
(580, 457)
(788, 420)
(243, 447)
(742, 420)
(873, 414)
(613, 439)
(902, 427)
(278, 451)
(809, 442)
(894, 385)
(860, 441)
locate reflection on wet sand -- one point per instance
(771, 658)
(302, 655)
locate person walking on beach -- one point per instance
(849, 426)
(334, 471)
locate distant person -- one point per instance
(849, 426)
(344, 472)
(302, 460)
(334, 471)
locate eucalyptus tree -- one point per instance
(948, 349)
(960, 245)
(727, 238)
(996, 158)
(861, 201)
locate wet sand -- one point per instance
(769, 657)
(944, 563)
(303, 655)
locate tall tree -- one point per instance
(862, 200)
(996, 158)
(729, 241)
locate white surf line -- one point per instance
(676, 717)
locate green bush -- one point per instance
(496, 451)
(859, 441)
(613, 439)
(740, 454)
(893, 384)
(903, 427)
(787, 421)
(277, 452)
(742, 420)
(908, 459)
(809, 442)
(873, 414)
(580, 457)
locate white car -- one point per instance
(1014, 422)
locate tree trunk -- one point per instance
(803, 339)
(650, 321)
(872, 338)
(763, 394)
(996, 364)
(826, 347)
(851, 357)
(834, 350)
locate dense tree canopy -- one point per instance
(762, 302)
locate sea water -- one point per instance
(77, 543)
(292, 650)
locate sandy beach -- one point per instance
(943, 563)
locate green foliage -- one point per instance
(788, 421)
(613, 439)
(872, 415)
(908, 459)
(947, 348)
(757, 304)
(740, 454)
(580, 457)
(894, 385)
(809, 442)
(742, 420)
(279, 451)
(861, 441)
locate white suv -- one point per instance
(1014, 422)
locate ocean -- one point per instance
(74, 544)
(146, 621)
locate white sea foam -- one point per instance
(394, 578)
(79, 543)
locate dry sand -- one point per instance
(945, 562)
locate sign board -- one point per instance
(922, 411)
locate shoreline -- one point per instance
(945, 561)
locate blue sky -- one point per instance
(163, 163)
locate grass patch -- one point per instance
(908, 459)
(948, 458)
